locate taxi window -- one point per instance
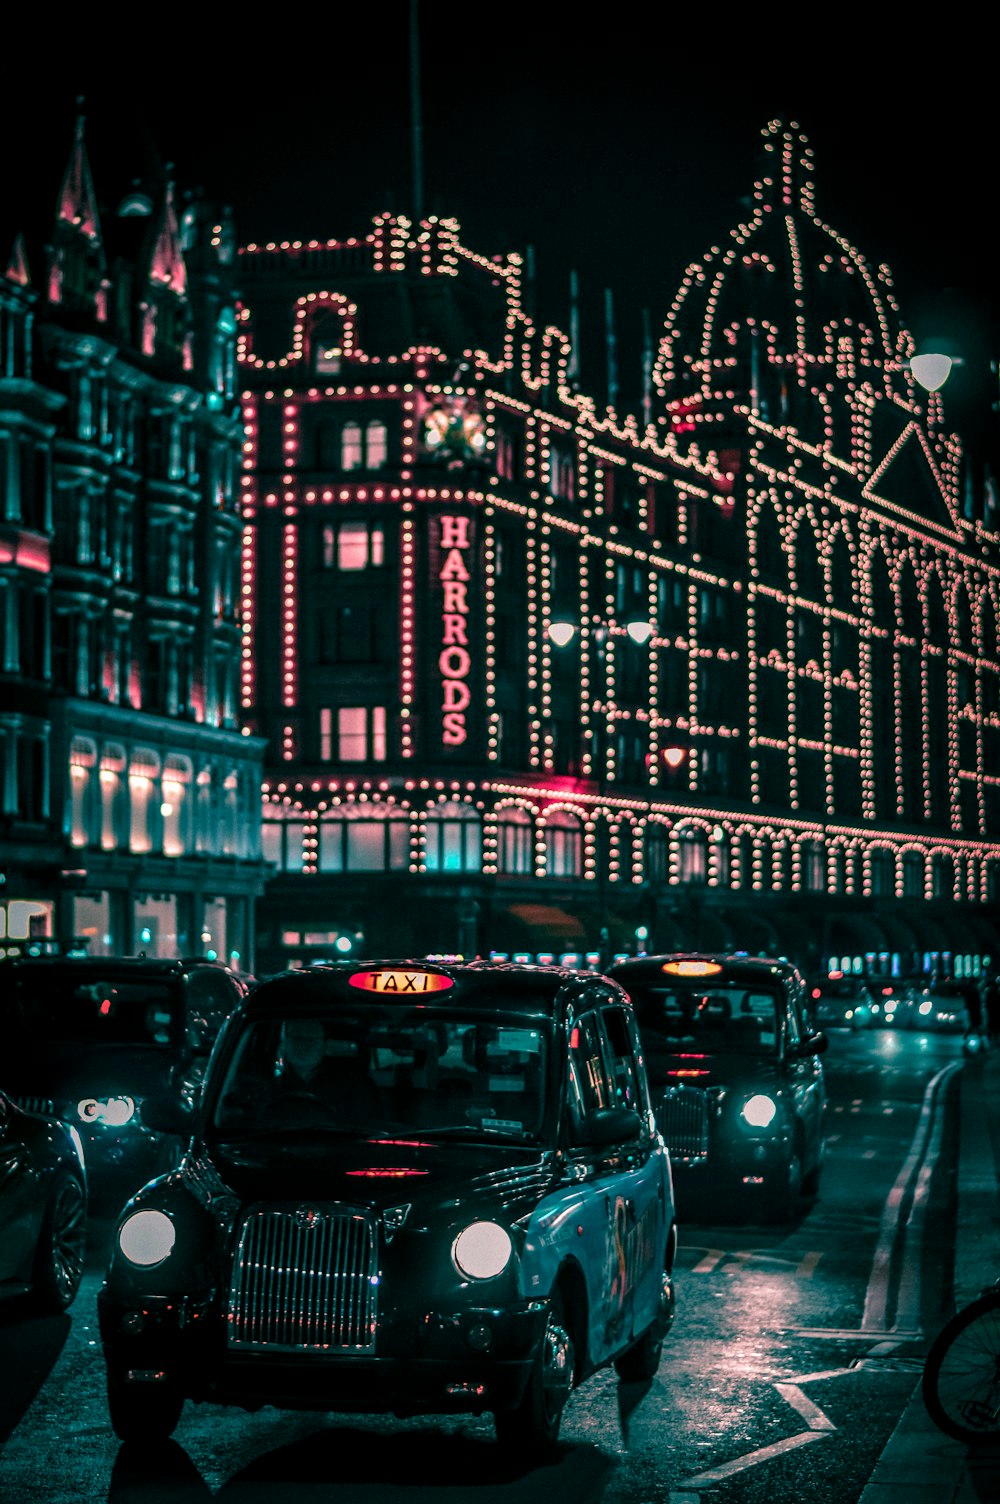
(590, 1088)
(211, 998)
(100, 1010)
(728, 1020)
(626, 1079)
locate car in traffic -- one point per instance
(738, 1087)
(43, 1208)
(840, 1001)
(943, 1007)
(896, 1002)
(410, 1187)
(88, 1038)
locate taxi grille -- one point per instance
(304, 1280)
(38, 1106)
(682, 1118)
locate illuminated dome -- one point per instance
(788, 322)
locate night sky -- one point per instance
(622, 154)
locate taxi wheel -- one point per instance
(143, 1412)
(531, 1428)
(61, 1247)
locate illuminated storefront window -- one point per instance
(453, 840)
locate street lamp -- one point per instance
(932, 369)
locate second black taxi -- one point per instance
(410, 1187)
(733, 1061)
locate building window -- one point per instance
(353, 545)
(82, 758)
(913, 875)
(350, 446)
(453, 839)
(813, 867)
(657, 854)
(177, 774)
(376, 444)
(883, 870)
(112, 767)
(143, 770)
(361, 733)
(563, 845)
(515, 843)
(282, 844)
(692, 850)
(368, 839)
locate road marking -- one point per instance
(751, 1459)
(807, 1265)
(707, 1264)
(813, 1416)
(713, 1257)
(879, 1281)
(847, 1334)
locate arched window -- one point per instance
(692, 851)
(514, 843)
(943, 875)
(883, 870)
(282, 840)
(176, 806)
(913, 875)
(563, 845)
(364, 838)
(82, 760)
(657, 854)
(813, 867)
(453, 840)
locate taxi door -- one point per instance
(628, 1223)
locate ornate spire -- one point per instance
(166, 265)
(77, 203)
(17, 266)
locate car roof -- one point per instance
(735, 967)
(500, 986)
(122, 966)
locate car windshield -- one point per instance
(731, 1019)
(386, 1069)
(60, 1007)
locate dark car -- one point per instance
(88, 1038)
(896, 1003)
(43, 1208)
(733, 1065)
(842, 1002)
(411, 1187)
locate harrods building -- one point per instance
(539, 678)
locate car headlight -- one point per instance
(147, 1238)
(113, 1111)
(482, 1250)
(759, 1111)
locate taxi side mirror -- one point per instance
(609, 1125)
(813, 1044)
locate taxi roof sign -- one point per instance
(400, 979)
(692, 968)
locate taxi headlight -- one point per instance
(759, 1111)
(113, 1111)
(146, 1238)
(482, 1250)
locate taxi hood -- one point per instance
(435, 1176)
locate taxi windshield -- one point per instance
(386, 1068)
(728, 1019)
(61, 1007)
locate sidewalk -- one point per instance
(920, 1465)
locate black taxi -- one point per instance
(88, 1038)
(733, 1063)
(410, 1187)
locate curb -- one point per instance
(919, 1464)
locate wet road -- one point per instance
(792, 1355)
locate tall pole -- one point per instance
(416, 125)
